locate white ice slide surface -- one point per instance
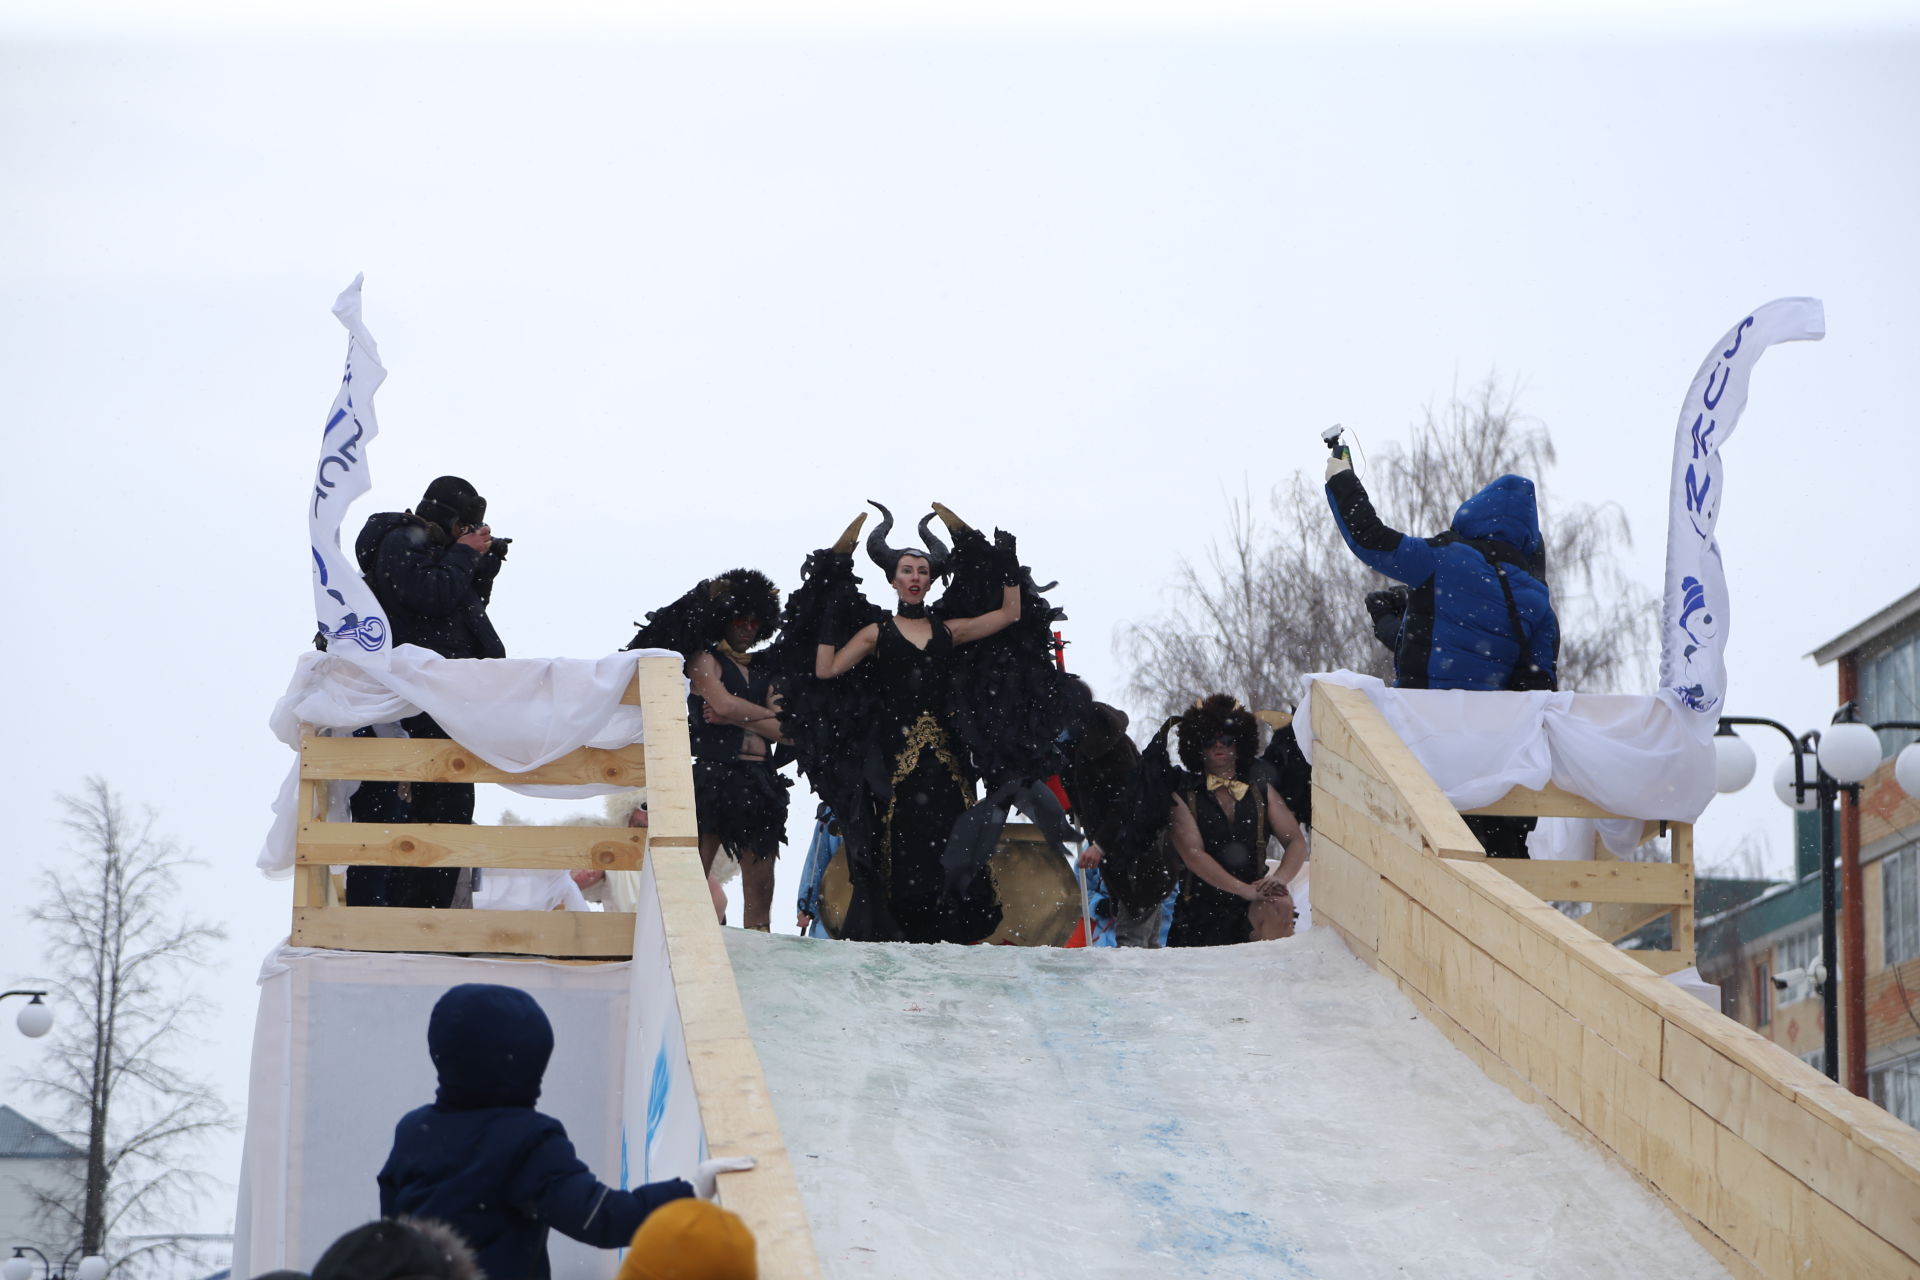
(1274, 1110)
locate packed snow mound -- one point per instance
(1276, 1109)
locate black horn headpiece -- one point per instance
(939, 562)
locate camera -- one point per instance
(1331, 437)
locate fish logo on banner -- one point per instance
(351, 619)
(1693, 622)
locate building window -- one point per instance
(1900, 903)
(1817, 1059)
(1896, 1086)
(1762, 995)
(1889, 688)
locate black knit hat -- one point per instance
(1210, 719)
(450, 501)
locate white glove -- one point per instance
(1337, 464)
(706, 1175)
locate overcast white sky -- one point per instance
(678, 295)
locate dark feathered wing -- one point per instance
(685, 626)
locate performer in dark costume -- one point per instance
(898, 713)
(1219, 822)
(733, 718)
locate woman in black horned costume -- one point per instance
(733, 720)
(906, 708)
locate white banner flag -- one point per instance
(1693, 622)
(352, 620)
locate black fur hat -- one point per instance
(740, 593)
(1213, 717)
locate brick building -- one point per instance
(1778, 931)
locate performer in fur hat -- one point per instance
(1223, 810)
(733, 718)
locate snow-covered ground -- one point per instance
(1267, 1110)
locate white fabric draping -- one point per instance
(1632, 754)
(515, 713)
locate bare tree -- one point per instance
(1282, 596)
(120, 949)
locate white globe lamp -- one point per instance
(16, 1268)
(92, 1267)
(1849, 751)
(35, 1020)
(1906, 769)
(1783, 787)
(1733, 762)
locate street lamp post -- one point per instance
(92, 1266)
(1844, 757)
(36, 1019)
(1823, 788)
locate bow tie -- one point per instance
(1239, 789)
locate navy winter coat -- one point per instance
(1458, 632)
(435, 592)
(483, 1161)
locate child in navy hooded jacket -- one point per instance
(483, 1161)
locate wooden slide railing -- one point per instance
(1774, 1168)
(320, 919)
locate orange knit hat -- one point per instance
(691, 1239)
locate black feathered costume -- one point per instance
(743, 800)
(895, 744)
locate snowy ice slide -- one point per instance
(1275, 1109)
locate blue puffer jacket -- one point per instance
(1458, 632)
(483, 1161)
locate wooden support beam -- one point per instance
(1660, 883)
(573, 934)
(439, 844)
(736, 1109)
(1550, 801)
(439, 760)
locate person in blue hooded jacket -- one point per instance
(1478, 614)
(483, 1161)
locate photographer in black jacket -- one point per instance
(432, 569)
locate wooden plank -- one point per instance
(736, 1109)
(441, 844)
(1682, 918)
(1811, 1147)
(1551, 801)
(310, 884)
(1349, 890)
(669, 752)
(601, 934)
(439, 760)
(1612, 921)
(1640, 882)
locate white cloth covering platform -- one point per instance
(515, 713)
(1637, 755)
